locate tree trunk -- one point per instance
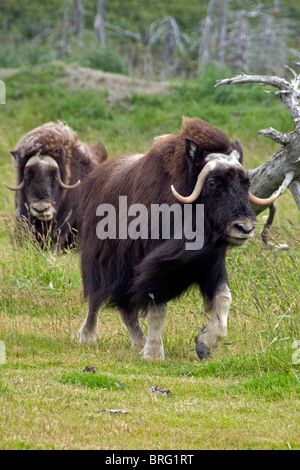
(99, 23)
(204, 54)
(78, 17)
(223, 33)
(241, 42)
(283, 168)
(65, 28)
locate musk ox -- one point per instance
(50, 163)
(137, 267)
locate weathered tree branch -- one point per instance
(265, 234)
(283, 168)
(295, 190)
(279, 137)
(288, 91)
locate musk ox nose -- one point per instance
(246, 227)
(240, 230)
(41, 210)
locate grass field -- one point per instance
(247, 396)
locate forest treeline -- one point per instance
(163, 39)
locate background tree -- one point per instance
(78, 17)
(99, 24)
(281, 170)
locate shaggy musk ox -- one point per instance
(141, 274)
(50, 162)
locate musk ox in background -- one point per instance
(50, 163)
(141, 272)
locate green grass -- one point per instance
(245, 397)
(89, 380)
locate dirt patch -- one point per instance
(117, 86)
(7, 72)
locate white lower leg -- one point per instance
(88, 333)
(154, 348)
(216, 329)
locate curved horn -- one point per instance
(16, 188)
(198, 186)
(68, 186)
(262, 202)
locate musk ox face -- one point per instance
(42, 187)
(223, 187)
(225, 196)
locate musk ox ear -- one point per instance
(238, 147)
(15, 154)
(192, 151)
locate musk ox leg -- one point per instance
(212, 334)
(132, 323)
(154, 348)
(88, 333)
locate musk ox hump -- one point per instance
(208, 137)
(177, 149)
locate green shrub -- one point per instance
(15, 55)
(101, 59)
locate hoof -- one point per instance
(138, 345)
(202, 351)
(87, 337)
(150, 355)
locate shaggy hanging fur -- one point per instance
(75, 161)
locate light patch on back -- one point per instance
(161, 137)
(125, 162)
(231, 159)
(130, 159)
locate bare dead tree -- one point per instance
(78, 17)
(169, 43)
(241, 40)
(166, 30)
(65, 26)
(223, 32)
(204, 52)
(266, 43)
(281, 170)
(99, 24)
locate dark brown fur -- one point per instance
(125, 272)
(75, 162)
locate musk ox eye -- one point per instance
(211, 184)
(245, 180)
